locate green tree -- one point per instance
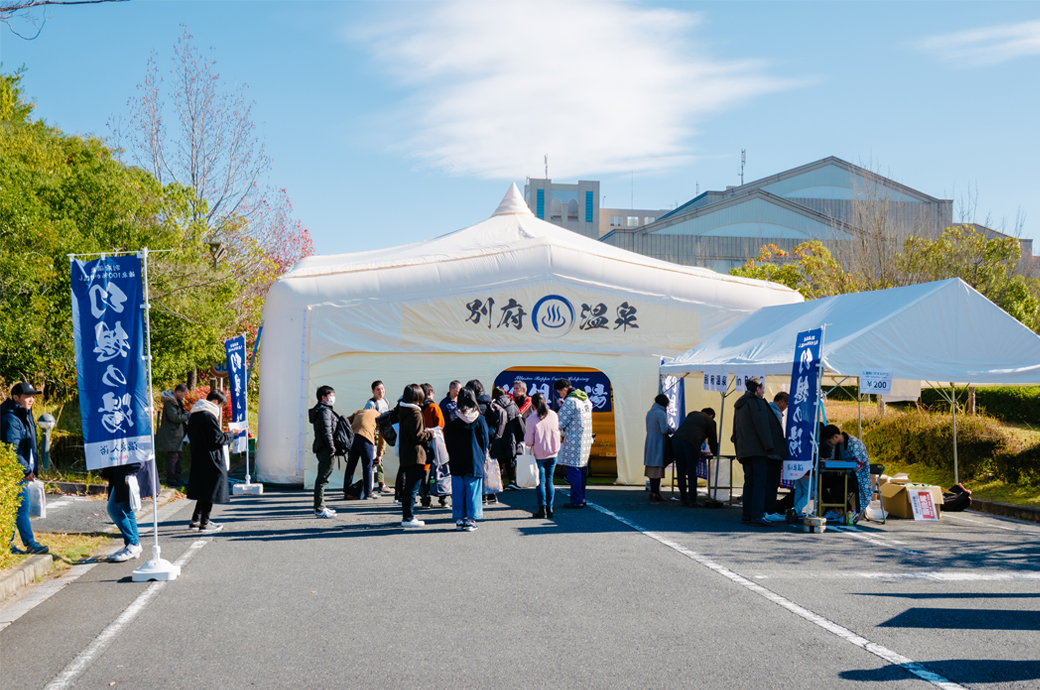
(809, 268)
(62, 194)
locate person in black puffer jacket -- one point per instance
(507, 433)
(323, 418)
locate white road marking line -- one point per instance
(1035, 533)
(104, 640)
(888, 655)
(855, 532)
(937, 576)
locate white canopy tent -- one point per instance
(944, 332)
(510, 291)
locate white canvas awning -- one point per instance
(944, 332)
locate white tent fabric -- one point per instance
(510, 291)
(944, 332)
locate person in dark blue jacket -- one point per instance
(18, 430)
(466, 439)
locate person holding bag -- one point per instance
(466, 438)
(208, 478)
(413, 437)
(542, 434)
(127, 485)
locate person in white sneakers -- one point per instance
(413, 436)
(323, 418)
(120, 503)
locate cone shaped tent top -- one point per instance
(513, 203)
(509, 291)
(944, 331)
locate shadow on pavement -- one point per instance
(957, 670)
(965, 619)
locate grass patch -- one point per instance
(67, 549)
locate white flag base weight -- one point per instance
(247, 489)
(158, 568)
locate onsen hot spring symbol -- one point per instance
(553, 316)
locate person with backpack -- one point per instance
(323, 418)
(507, 433)
(466, 438)
(483, 405)
(542, 433)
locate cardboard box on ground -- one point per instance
(896, 497)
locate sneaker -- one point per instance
(326, 513)
(460, 525)
(193, 525)
(832, 515)
(38, 548)
(384, 489)
(492, 498)
(210, 527)
(397, 503)
(412, 523)
(471, 526)
(513, 486)
(774, 517)
(121, 556)
(135, 550)
(444, 501)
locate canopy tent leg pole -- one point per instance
(718, 459)
(953, 407)
(859, 413)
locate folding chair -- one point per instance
(876, 471)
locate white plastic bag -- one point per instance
(37, 500)
(135, 492)
(526, 470)
(875, 511)
(227, 457)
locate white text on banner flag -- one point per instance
(674, 387)
(111, 372)
(875, 381)
(236, 368)
(801, 406)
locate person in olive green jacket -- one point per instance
(169, 437)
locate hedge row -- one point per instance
(11, 474)
(984, 447)
(1016, 404)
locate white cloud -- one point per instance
(987, 46)
(599, 86)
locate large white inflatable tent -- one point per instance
(511, 291)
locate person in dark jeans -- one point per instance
(207, 481)
(753, 440)
(697, 428)
(323, 418)
(412, 437)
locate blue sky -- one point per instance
(392, 122)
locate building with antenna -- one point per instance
(829, 200)
(577, 207)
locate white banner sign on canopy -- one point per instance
(875, 381)
(716, 381)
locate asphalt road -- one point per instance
(635, 595)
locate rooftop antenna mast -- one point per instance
(547, 166)
(743, 160)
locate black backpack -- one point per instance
(343, 436)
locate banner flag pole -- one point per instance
(158, 568)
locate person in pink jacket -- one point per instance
(542, 434)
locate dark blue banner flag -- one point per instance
(236, 368)
(802, 404)
(595, 384)
(108, 329)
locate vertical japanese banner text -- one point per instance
(801, 410)
(111, 372)
(236, 368)
(675, 388)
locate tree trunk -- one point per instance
(880, 406)
(971, 400)
(193, 379)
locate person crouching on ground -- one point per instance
(576, 442)
(208, 477)
(120, 505)
(542, 434)
(413, 436)
(466, 439)
(658, 431)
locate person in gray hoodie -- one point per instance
(753, 440)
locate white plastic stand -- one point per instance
(158, 568)
(247, 489)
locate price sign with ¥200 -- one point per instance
(875, 381)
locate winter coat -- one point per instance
(696, 429)
(657, 431)
(323, 419)
(363, 423)
(117, 475)
(776, 430)
(208, 480)
(18, 429)
(502, 415)
(170, 434)
(543, 435)
(576, 429)
(431, 414)
(752, 436)
(523, 403)
(466, 438)
(448, 407)
(412, 435)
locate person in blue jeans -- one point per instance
(466, 438)
(542, 434)
(120, 508)
(18, 430)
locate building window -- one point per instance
(556, 210)
(615, 221)
(540, 211)
(572, 210)
(633, 221)
(648, 220)
(588, 207)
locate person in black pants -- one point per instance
(697, 428)
(775, 465)
(753, 441)
(412, 437)
(208, 481)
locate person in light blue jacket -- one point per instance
(658, 432)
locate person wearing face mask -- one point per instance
(323, 418)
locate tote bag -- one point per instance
(492, 476)
(526, 470)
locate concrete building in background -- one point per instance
(571, 206)
(828, 200)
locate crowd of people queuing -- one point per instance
(481, 434)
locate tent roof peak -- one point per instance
(513, 204)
